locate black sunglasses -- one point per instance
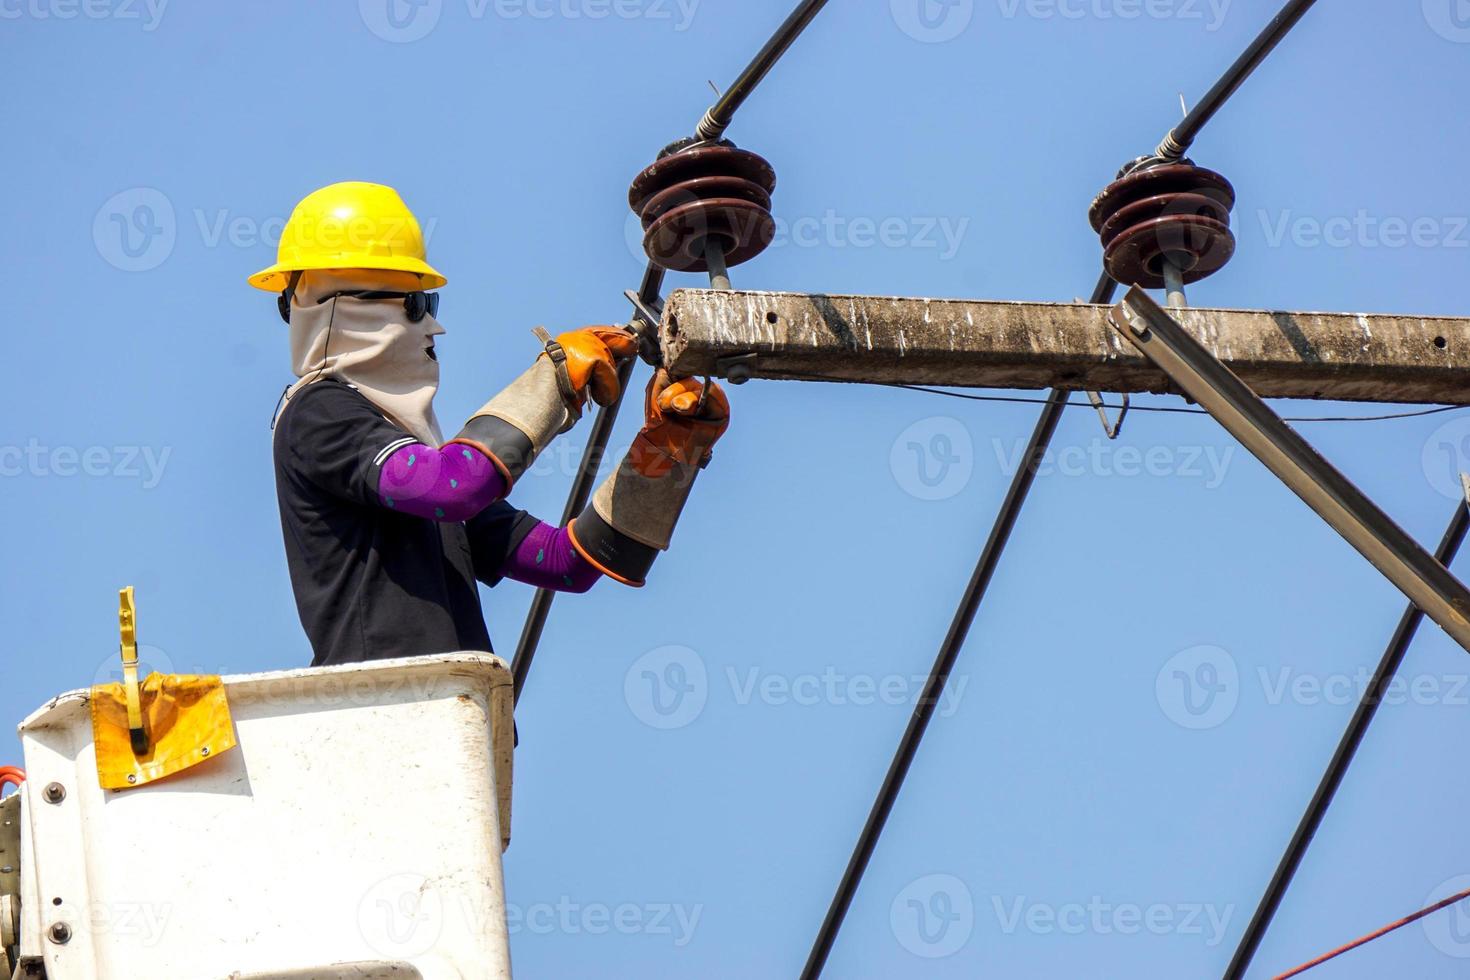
(416, 305)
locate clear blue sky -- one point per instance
(1069, 815)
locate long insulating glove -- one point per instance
(516, 425)
(632, 515)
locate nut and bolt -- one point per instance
(60, 933)
(54, 792)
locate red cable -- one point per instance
(13, 775)
(1374, 935)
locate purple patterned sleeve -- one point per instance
(450, 484)
(547, 560)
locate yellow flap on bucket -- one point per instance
(187, 720)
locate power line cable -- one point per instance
(1376, 934)
(994, 547)
(1342, 758)
(711, 127)
(1023, 400)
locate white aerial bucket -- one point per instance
(354, 831)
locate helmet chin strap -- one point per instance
(283, 302)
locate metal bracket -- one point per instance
(651, 315)
(646, 318)
(1111, 428)
(127, 623)
(1416, 573)
(737, 368)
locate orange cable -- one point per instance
(13, 775)
(1374, 935)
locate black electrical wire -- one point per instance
(990, 555)
(765, 375)
(718, 118)
(581, 492)
(720, 115)
(949, 650)
(1177, 143)
(1368, 702)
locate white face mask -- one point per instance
(371, 345)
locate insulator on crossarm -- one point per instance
(1176, 213)
(706, 193)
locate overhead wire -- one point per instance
(766, 375)
(711, 127)
(1342, 757)
(1173, 147)
(1181, 137)
(577, 497)
(944, 661)
(1375, 934)
(994, 547)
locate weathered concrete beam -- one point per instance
(982, 344)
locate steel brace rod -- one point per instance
(1347, 747)
(1426, 582)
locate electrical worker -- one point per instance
(387, 526)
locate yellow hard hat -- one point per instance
(351, 225)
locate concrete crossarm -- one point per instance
(988, 344)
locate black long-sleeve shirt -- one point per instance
(371, 583)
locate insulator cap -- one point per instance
(704, 192)
(1178, 212)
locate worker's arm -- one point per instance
(331, 436)
(450, 484)
(459, 484)
(499, 443)
(338, 440)
(335, 438)
(509, 543)
(632, 515)
(513, 428)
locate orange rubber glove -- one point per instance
(592, 355)
(631, 517)
(683, 419)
